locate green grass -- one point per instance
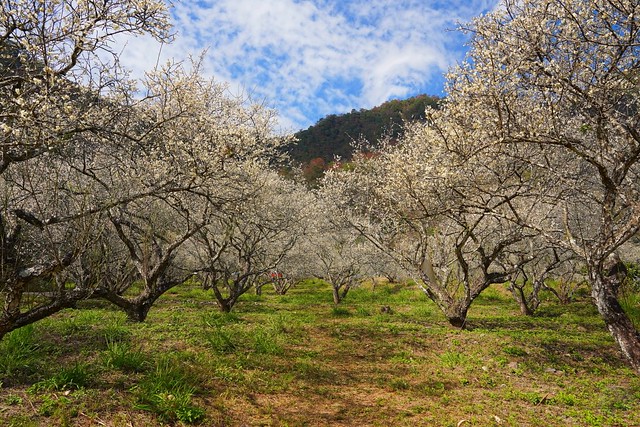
(73, 377)
(120, 355)
(168, 390)
(630, 302)
(300, 360)
(266, 341)
(20, 354)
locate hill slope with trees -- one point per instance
(333, 135)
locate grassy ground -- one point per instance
(299, 361)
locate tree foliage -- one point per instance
(121, 190)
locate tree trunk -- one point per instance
(137, 312)
(457, 315)
(617, 321)
(336, 295)
(345, 291)
(138, 308)
(457, 321)
(454, 309)
(519, 296)
(15, 320)
(224, 305)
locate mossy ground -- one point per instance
(297, 360)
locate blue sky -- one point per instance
(311, 58)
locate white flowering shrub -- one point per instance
(427, 203)
(333, 250)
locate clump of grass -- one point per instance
(168, 391)
(219, 335)
(265, 341)
(338, 311)
(565, 398)
(313, 371)
(249, 297)
(116, 329)
(630, 302)
(79, 321)
(398, 384)
(19, 353)
(120, 355)
(494, 294)
(58, 406)
(280, 323)
(514, 351)
(197, 294)
(221, 340)
(422, 311)
(174, 406)
(403, 357)
(230, 374)
(362, 312)
(218, 319)
(70, 378)
(533, 397)
(13, 399)
(451, 359)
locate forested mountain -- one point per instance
(333, 135)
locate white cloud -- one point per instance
(309, 58)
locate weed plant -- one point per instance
(630, 302)
(338, 311)
(266, 341)
(221, 340)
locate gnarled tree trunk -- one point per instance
(137, 308)
(603, 291)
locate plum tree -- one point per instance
(555, 83)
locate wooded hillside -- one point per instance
(332, 136)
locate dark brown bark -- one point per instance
(455, 308)
(345, 290)
(136, 308)
(456, 314)
(15, 320)
(457, 321)
(224, 306)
